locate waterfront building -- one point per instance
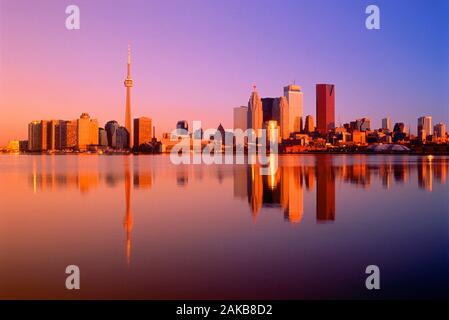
(309, 126)
(122, 136)
(143, 131)
(37, 135)
(87, 132)
(359, 137)
(69, 131)
(111, 128)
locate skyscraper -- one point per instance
(325, 108)
(102, 137)
(386, 124)
(111, 128)
(142, 131)
(425, 123)
(309, 126)
(240, 118)
(35, 136)
(69, 130)
(87, 132)
(440, 130)
(255, 112)
(122, 135)
(128, 85)
(294, 97)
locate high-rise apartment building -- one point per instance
(35, 136)
(69, 133)
(87, 132)
(142, 131)
(325, 108)
(111, 128)
(122, 138)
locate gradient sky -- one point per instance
(197, 59)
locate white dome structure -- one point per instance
(394, 148)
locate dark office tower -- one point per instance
(102, 137)
(267, 109)
(325, 108)
(325, 188)
(142, 131)
(399, 127)
(122, 136)
(111, 130)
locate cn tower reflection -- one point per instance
(128, 221)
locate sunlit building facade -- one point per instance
(143, 131)
(87, 132)
(241, 118)
(325, 108)
(255, 112)
(294, 97)
(425, 123)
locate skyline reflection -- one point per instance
(158, 227)
(283, 189)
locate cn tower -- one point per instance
(128, 85)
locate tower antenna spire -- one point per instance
(128, 85)
(129, 60)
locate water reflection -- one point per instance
(282, 189)
(160, 218)
(128, 221)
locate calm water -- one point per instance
(140, 227)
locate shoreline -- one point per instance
(223, 154)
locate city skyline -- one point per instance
(375, 76)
